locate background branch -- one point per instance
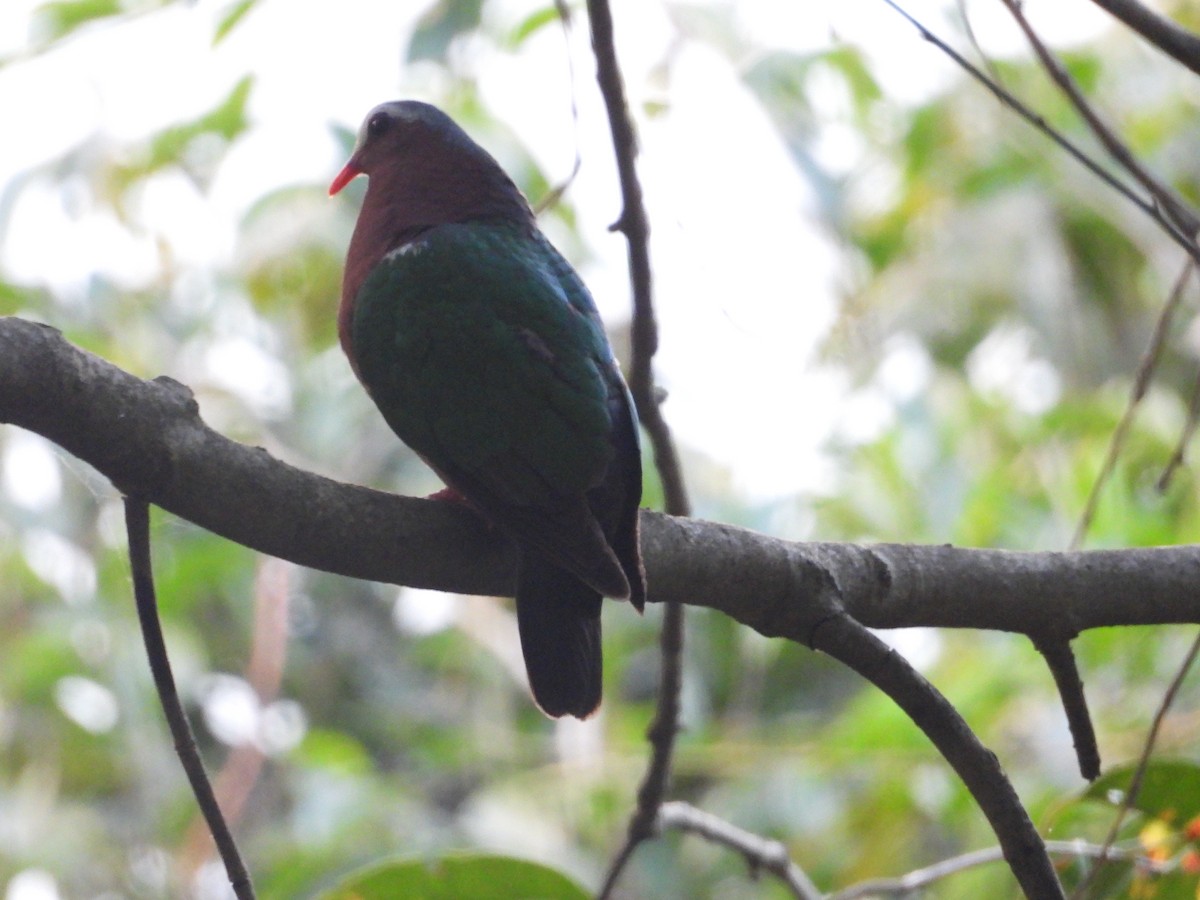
(1139, 773)
(1178, 43)
(909, 883)
(644, 341)
(761, 854)
(1177, 208)
(1167, 223)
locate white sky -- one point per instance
(744, 274)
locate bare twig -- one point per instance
(855, 646)
(761, 854)
(264, 672)
(555, 194)
(1141, 384)
(1178, 43)
(1185, 437)
(137, 523)
(633, 224)
(661, 735)
(1152, 210)
(1139, 773)
(1176, 207)
(965, 18)
(912, 882)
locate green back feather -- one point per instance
(485, 354)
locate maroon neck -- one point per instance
(407, 197)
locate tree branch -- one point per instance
(850, 643)
(634, 225)
(137, 525)
(147, 437)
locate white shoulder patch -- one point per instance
(412, 248)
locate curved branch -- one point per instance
(848, 642)
(761, 854)
(147, 437)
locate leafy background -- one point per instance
(983, 308)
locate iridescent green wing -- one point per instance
(489, 361)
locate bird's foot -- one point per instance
(450, 495)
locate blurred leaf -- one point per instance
(1170, 789)
(231, 17)
(457, 877)
(1084, 67)
(848, 61)
(197, 145)
(333, 750)
(1107, 260)
(446, 20)
(532, 24)
(57, 20)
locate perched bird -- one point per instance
(484, 352)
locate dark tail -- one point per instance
(559, 620)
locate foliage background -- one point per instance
(948, 328)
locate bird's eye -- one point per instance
(379, 123)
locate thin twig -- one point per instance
(909, 883)
(761, 854)
(264, 673)
(1139, 773)
(137, 524)
(1185, 437)
(850, 643)
(555, 194)
(1141, 384)
(1178, 43)
(965, 17)
(1177, 208)
(634, 225)
(644, 338)
(661, 734)
(1152, 210)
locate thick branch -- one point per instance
(148, 439)
(1174, 40)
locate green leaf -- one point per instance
(1170, 789)
(230, 19)
(444, 22)
(196, 145)
(457, 877)
(532, 24)
(57, 20)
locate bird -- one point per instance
(484, 352)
